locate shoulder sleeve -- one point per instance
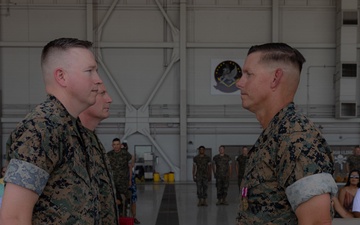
(303, 154)
(26, 175)
(37, 142)
(32, 155)
(310, 186)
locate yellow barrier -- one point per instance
(171, 177)
(166, 177)
(156, 177)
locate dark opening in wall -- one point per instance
(350, 18)
(349, 69)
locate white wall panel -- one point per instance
(42, 25)
(58, 23)
(317, 76)
(22, 81)
(232, 26)
(315, 26)
(14, 26)
(134, 26)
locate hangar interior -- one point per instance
(161, 61)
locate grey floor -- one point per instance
(156, 205)
(150, 196)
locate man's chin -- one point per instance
(92, 100)
(244, 105)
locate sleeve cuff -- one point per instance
(26, 175)
(310, 186)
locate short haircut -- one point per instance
(63, 44)
(279, 52)
(201, 147)
(116, 139)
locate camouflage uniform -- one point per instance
(119, 162)
(47, 155)
(241, 161)
(202, 164)
(289, 163)
(354, 162)
(222, 174)
(105, 183)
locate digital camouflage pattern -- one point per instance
(222, 164)
(105, 184)
(202, 163)
(354, 162)
(119, 162)
(47, 155)
(241, 161)
(290, 148)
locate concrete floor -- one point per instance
(185, 209)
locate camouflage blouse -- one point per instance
(290, 149)
(103, 176)
(354, 162)
(202, 166)
(222, 164)
(241, 161)
(51, 154)
(119, 162)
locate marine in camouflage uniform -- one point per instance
(120, 161)
(90, 119)
(50, 154)
(353, 161)
(222, 173)
(108, 211)
(241, 164)
(290, 166)
(201, 175)
(289, 163)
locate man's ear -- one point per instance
(278, 74)
(60, 77)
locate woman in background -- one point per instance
(344, 202)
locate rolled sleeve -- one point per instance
(310, 186)
(26, 175)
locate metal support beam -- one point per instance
(183, 91)
(89, 20)
(275, 21)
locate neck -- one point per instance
(73, 107)
(88, 122)
(267, 114)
